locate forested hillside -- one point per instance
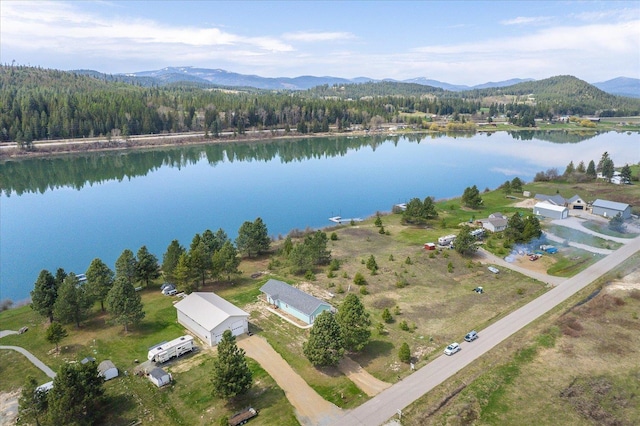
(37, 104)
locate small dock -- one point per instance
(340, 220)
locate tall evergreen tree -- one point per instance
(147, 267)
(354, 323)
(44, 294)
(184, 274)
(325, 346)
(465, 243)
(124, 304)
(77, 395)
(591, 170)
(515, 228)
(625, 173)
(55, 333)
(253, 238)
(516, 185)
(99, 280)
(32, 405)
(200, 260)
(231, 374)
(126, 266)
(170, 259)
(73, 303)
(226, 260)
(471, 197)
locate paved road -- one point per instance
(49, 372)
(384, 406)
(575, 223)
(311, 408)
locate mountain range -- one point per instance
(622, 86)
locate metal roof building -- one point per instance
(610, 208)
(208, 315)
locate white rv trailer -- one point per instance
(167, 350)
(446, 240)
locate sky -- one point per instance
(458, 42)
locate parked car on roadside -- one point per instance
(452, 349)
(471, 336)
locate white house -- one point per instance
(107, 370)
(494, 224)
(551, 211)
(159, 377)
(208, 315)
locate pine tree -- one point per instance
(73, 302)
(170, 259)
(76, 397)
(465, 243)
(325, 346)
(147, 267)
(591, 170)
(516, 185)
(231, 374)
(55, 333)
(99, 280)
(226, 260)
(124, 304)
(32, 405)
(354, 323)
(44, 295)
(126, 266)
(404, 354)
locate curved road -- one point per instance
(384, 406)
(49, 372)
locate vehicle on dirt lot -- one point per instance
(452, 349)
(243, 416)
(471, 336)
(534, 257)
(493, 269)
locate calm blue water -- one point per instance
(61, 226)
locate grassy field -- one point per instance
(576, 365)
(428, 293)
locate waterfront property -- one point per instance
(208, 316)
(611, 208)
(294, 302)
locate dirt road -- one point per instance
(358, 375)
(384, 406)
(311, 408)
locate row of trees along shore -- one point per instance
(39, 104)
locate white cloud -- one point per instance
(525, 20)
(310, 37)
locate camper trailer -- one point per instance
(446, 240)
(167, 350)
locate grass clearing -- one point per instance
(575, 365)
(603, 228)
(582, 237)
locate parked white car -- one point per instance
(452, 349)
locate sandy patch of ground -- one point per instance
(526, 203)
(541, 265)
(629, 282)
(9, 407)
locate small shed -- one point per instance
(295, 302)
(611, 208)
(107, 370)
(159, 377)
(551, 211)
(429, 246)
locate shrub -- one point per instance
(401, 283)
(380, 328)
(432, 255)
(340, 290)
(450, 267)
(386, 316)
(408, 261)
(396, 310)
(364, 291)
(331, 274)
(334, 236)
(404, 326)
(309, 275)
(391, 259)
(404, 354)
(359, 279)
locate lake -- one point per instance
(65, 211)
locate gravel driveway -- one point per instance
(311, 408)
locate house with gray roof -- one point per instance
(295, 302)
(611, 208)
(557, 200)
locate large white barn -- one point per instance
(208, 315)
